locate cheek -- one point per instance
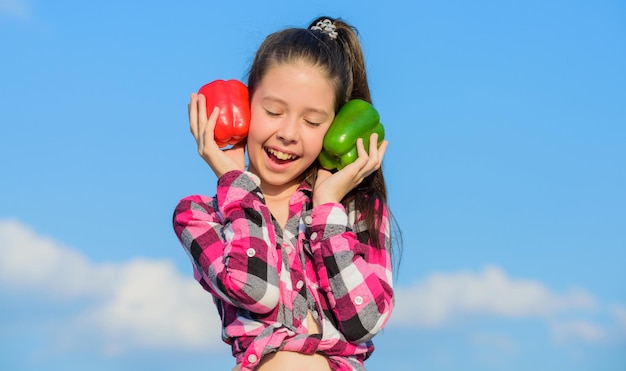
(315, 141)
(256, 126)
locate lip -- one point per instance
(273, 154)
(282, 151)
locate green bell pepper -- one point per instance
(356, 119)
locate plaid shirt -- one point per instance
(265, 279)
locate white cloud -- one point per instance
(153, 307)
(493, 350)
(619, 312)
(441, 298)
(135, 304)
(147, 304)
(29, 261)
(498, 342)
(15, 8)
(577, 330)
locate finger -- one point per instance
(373, 157)
(360, 149)
(208, 132)
(192, 111)
(202, 116)
(359, 162)
(377, 151)
(360, 166)
(374, 147)
(382, 149)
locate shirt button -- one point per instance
(252, 358)
(299, 284)
(313, 235)
(260, 195)
(308, 219)
(358, 300)
(288, 249)
(250, 252)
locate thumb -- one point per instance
(209, 130)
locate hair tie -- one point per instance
(327, 27)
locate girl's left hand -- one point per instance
(331, 187)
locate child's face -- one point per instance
(292, 108)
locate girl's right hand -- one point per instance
(202, 128)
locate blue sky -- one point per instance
(506, 172)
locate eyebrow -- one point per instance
(308, 109)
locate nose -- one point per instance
(288, 131)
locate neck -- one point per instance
(277, 200)
(278, 192)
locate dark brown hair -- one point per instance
(341, 58)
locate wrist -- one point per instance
(321, 200)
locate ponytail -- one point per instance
(372, 192)
(347, 38)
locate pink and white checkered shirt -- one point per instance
(265, 279)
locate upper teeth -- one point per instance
(281, 155)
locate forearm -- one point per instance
(224, 238)
(355, 276)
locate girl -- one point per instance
(297, 258)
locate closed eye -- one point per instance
(314, 124)
(271, 114)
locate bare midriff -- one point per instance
(288, 361)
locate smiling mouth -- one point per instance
(279, 156)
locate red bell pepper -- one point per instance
(231, 97)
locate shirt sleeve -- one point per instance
(231, 242)
(356, 277)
